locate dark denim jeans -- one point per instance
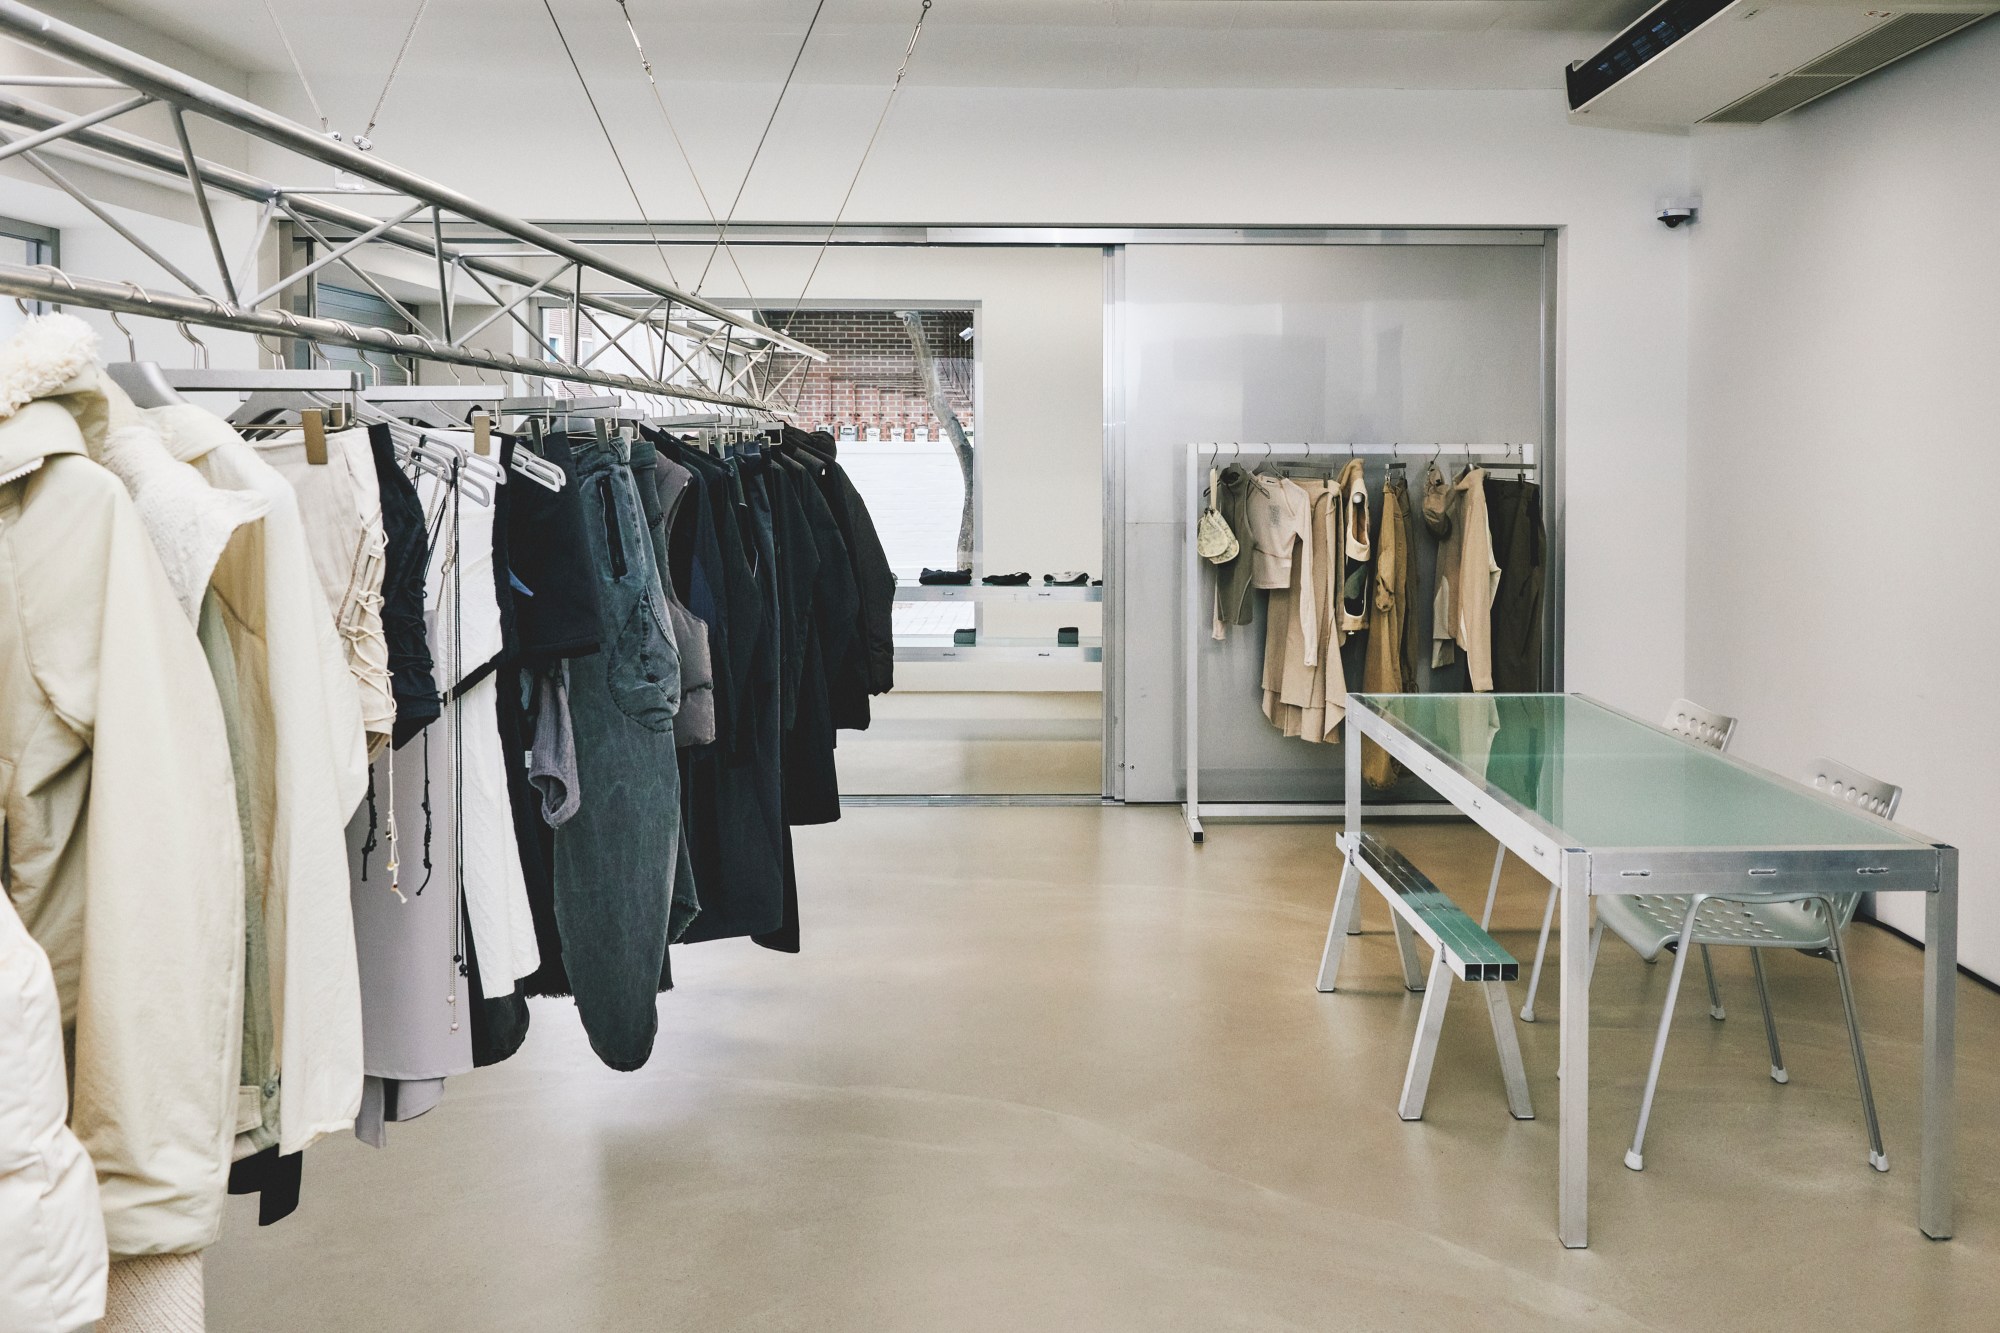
(615, 860)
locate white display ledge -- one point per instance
(933, 649)
(980, 592)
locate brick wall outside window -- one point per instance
(870, 378)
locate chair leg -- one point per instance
(1423, 1053)
(1778, 1074)
(1636, 1158)
(1493, 888)
(1877, 1158)
(1714, 996)
(1541, 952)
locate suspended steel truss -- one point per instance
(675, 345)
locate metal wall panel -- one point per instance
(1417, 343)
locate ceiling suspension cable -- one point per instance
(758, 151)
(610, 143)
(841, 212)
(364, 141)
(298, 67)
(721, 231)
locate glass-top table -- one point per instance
(1600, 802)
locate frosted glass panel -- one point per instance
(1293, 344)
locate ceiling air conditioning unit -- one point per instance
(1743, 62)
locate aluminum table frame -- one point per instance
(1581, 872)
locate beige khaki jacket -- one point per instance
(123, 853)
(1468, 576)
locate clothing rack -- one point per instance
(1195, 620)
(719, 356)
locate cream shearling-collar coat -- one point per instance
(307, 778)
(123, 851)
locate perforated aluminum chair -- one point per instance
(1684, 718)
(1809, 921)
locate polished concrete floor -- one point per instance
(977, 744)
(1056, 1069)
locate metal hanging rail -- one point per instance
(45, 282)
(713, 350)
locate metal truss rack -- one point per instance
(695, 350)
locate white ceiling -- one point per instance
(1438, 44)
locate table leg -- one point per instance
(1350, 744)
(1934, 1188)
(1573, 1126)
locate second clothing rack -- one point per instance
(1194, 584)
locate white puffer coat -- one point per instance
(52, 1254)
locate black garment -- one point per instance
(499, 1024)
(797, 559)
(406, 553)
(812, 784)
(784, 934)
(1015, 580)
(554, 594)
(273, 1179)
(1074, 581)
(1514, 511)
(728, 568)
(946, 577)
(694, 568)
(737, 830)
(555, 617)
(871, 667)
(686, 902)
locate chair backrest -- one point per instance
(1870, 795)
(1688, 718)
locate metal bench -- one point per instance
(1460, 949)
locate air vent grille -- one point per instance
(1891, 41)
(1775, 99)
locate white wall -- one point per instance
(90, 248)
(165, 218)
(1844, 421)
(1304, 157)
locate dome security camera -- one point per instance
(1677, 214)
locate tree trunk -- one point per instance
(954, 430)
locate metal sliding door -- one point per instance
(1414, 342)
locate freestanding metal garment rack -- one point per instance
(1196, 588)
(718, 356)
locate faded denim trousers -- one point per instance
(615, 859)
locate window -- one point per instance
(872, 396)
(24, 243)
(364, 310)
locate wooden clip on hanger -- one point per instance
(314, 422)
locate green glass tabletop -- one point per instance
(1605, 780)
